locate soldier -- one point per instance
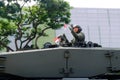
(79, 37)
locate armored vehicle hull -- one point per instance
(61, 62)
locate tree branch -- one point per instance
(36, 40)
(19, 28)
(7, 47)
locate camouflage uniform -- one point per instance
(79, 37)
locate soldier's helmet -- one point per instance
(77, 26)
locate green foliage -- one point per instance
(28, 23)
(13, 8)
(2, 4)
(7, 28)
(58, 12)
